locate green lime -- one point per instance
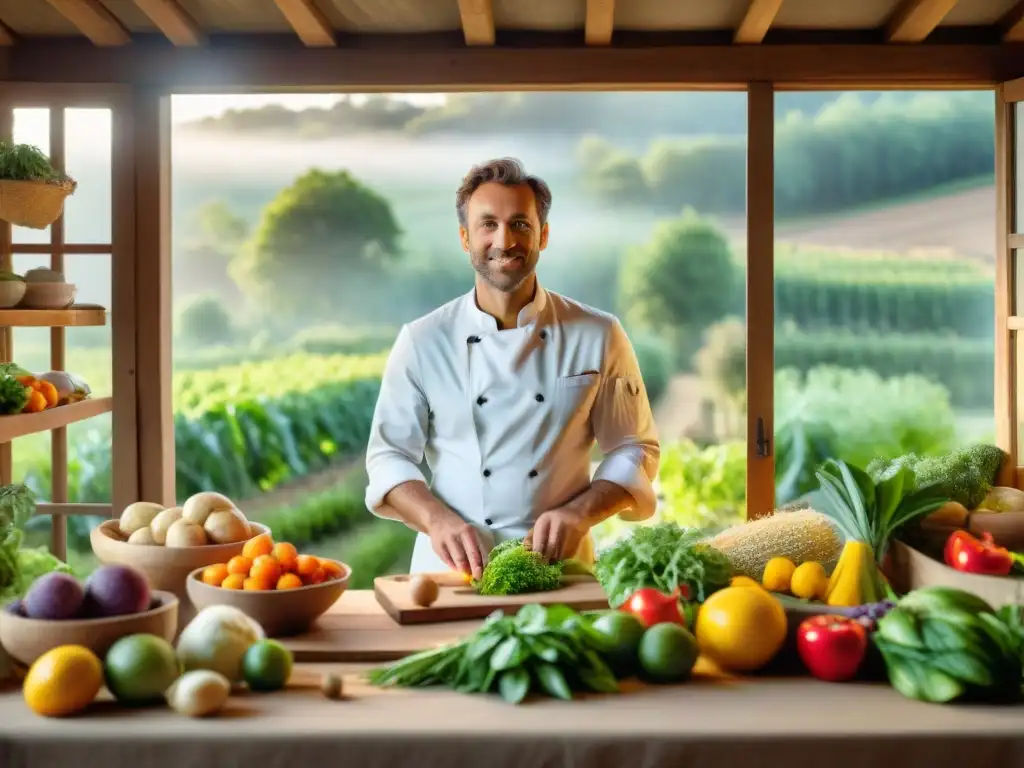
(668, 652)
(139, 668)
(267, 665)
(623, 631)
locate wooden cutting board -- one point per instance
(458, 602)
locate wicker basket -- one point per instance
(33, 204)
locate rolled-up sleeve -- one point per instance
(624, 427)
(398, 432)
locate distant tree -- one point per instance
(680, 282)
(203, 320)
(320, 243)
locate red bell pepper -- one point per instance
(970, 555)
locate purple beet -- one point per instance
(116, 590)
(54, 596)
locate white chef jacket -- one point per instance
(506, 419)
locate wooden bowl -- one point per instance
(48, 295)
(280, 612)
(165, 568)
(25, 639)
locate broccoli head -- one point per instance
(965, 475)
(513, 570)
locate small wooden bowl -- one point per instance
(280, 612)
(25, 639)
(48, 295)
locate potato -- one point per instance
(199, 506)
(226, 526)
(185, 534)
(162, 522)
(137, 515)
(142, 536)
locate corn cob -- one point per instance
(802, 536)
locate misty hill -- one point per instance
(619, 116)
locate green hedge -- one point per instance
(966, 367)
(884, 305)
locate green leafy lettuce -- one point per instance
(19, 567)
(662, 556)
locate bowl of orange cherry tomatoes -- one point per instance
(284, 591)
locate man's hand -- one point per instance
(557, 534)
(456, 542)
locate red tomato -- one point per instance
(832, 647)
(654, 607)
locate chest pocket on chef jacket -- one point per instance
(574, 395)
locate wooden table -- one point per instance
(768, 723)
(357, 629)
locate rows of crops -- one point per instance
(247, 428)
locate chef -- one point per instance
(504, 391)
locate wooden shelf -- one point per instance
(21, 424)
(75, 315)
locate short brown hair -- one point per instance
(507, 171)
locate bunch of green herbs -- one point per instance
(547, 649)
(25, 162)
(20, 567)
(664, 556)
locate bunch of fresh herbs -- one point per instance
(549, 649)
(663, 556)
(25, 162)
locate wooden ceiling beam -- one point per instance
(914, 20)
(477, 21)
(1012, 24)
(600, 22)
(173, 20)
(94, 21)
(424, 63)
(309, 22)
(756, 21)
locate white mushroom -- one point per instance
(226, 526)
(199, 506)
(162, 522)
(138, 515)
(185, 534)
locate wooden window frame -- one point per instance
(1009, 238)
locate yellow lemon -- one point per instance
(809, 581)
(740, 629)
(778, 572)
(743, 581)
(63, 681)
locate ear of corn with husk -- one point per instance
(801, 536)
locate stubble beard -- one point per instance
(507, 281)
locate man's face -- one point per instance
(503, 235)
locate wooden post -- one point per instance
(760, 315)
(152, 128)
(125, 442)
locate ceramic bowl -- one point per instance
(48, 295)
(165, 568)
(282, 612)
(11, 292)
(25, 639)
